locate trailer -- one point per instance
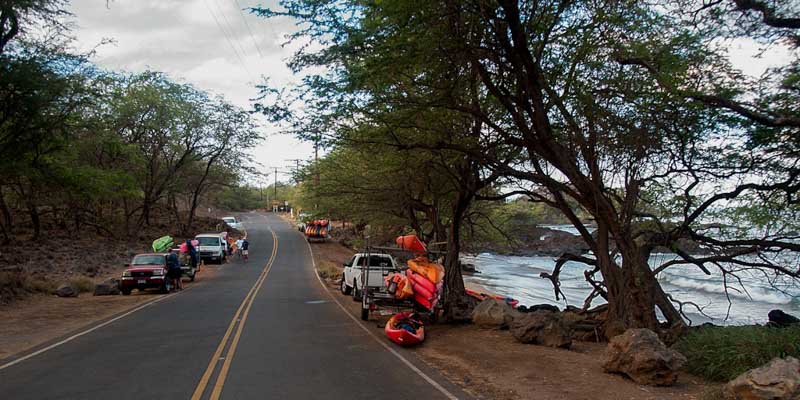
(317, 230)
(376, 297)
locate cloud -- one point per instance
(203, 42)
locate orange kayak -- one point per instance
(432, 271)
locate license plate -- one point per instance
(141, 281)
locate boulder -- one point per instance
(640, 355)
(780, 319)
(778, 380)
(494, 313)
(544, 328)
(68, 289)
(107, 288)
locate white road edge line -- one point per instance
(394, 352)
(79, 334)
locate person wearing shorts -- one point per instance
(245, 249)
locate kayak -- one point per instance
(432, 271)
(420, 283)
(404, 330)
(411, 242)
(162, 244)
(483, 296)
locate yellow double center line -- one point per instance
(246, 304)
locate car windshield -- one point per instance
(229, 220)
(375, 261)
(148, 260)
(208, 241)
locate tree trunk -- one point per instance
(633, 296)
(33, 211)
(7, 222)
(457, 306)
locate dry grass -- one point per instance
(328, 270)
(83, 283)
(18, 283)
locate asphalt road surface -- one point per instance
(265, 329)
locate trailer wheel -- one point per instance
(364, 314)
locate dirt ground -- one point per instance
(37, 319)
(491, 364)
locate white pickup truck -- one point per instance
(380, 265)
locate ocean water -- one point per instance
(747, 302)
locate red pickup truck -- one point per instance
(146, 271)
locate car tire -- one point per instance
(344, 288)
(356, 292)
(164, 289)
(125, 292)
(191, 278)
(364, 314)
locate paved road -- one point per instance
(265, 329)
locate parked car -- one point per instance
(232, 222)
(380, 265)
(211, 246)
(146, 271)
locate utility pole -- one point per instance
(276, 183)
(296, 169)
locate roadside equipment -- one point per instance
(317, 230)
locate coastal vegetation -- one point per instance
(723, 353)
(86, 149)
(626, 114)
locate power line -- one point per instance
(229, 25)
(255, 43)
(241, 61)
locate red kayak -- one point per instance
(404, 330)
(484, 296)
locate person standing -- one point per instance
(174, 269)
(239, 247)
(245, 248)
(192, 253)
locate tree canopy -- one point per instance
(631, 110)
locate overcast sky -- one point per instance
(203, 42)
(216, 46)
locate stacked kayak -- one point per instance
(412, 243)
(162, 244)
(404, 329)
(317, 229)
(427, 281)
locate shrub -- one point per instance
(723, 353)
(83, 284)
(17, 283)
(328, 270)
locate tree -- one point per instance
(598, 104)
(16, 15)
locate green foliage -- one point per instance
(723, 353)
(239, 198)
(89, 147)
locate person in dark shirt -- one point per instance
(174, 269)
(192, 253)
(245, 249)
